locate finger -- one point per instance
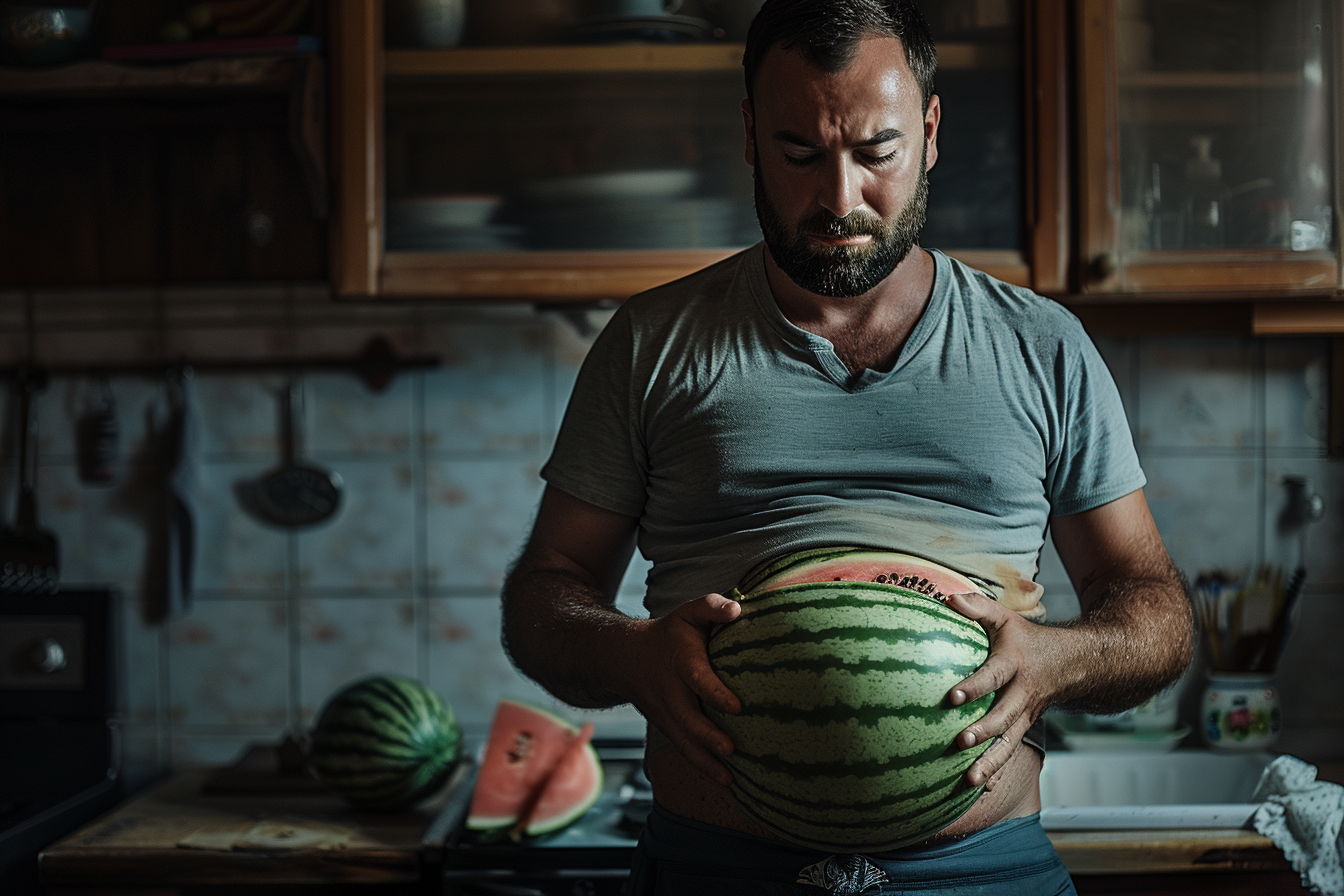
(712, 609)
(983, 609)
(705, 684)
(701, 742)
(993, 674)
(988, 765)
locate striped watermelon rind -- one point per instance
(845, 739)
(385, 742)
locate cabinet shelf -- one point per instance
(100, 78)
(299, 77)
(1210, 81)
(624, 58)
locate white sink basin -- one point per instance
(1133, 791)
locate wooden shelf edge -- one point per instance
(600, 59)
(99, 77)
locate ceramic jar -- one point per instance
(1240, 712)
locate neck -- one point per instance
(869, 330)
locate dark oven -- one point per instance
(57, 766)
(591, 857)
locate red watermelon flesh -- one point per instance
(523, 751)
(851, 565)
(568, 791)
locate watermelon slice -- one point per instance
(538, 773)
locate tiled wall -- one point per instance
(440, 484)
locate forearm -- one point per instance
(1135, 638)
(561, 631)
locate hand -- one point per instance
(672, 675)
(1019, 699)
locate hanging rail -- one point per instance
(376, 365)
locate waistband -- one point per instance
(1013, 846)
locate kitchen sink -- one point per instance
(1138, 790)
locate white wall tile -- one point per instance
(235, 551)
(343, 639)
(342, 415)
(1207, 510)
(489, 395)
(478, 514)
(228, 665)
(1197, 393)
(1297, 373)
(369, 543)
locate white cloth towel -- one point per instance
(1302, 816)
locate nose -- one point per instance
(841, 191)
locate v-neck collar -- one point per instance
(823, 350)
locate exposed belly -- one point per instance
(681, 789)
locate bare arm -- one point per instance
(562, 629)
(1134, 636)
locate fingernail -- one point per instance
(958, 697)
(968, 738)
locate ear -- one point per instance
(749, 123)
(931, 119)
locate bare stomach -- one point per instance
(680, 788)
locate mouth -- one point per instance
(831, 240)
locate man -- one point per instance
(839, 385)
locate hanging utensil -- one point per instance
(296, 494)
(29, 555)
(98, 447)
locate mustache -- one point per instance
(856, 223)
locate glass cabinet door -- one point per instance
(593, 155)
(1209, 163)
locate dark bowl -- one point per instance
(44, 35)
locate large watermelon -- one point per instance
(385, 742)
(538, 773)
(845, 739)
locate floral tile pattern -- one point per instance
(1197, 393)
(478, 515)
(369, 543)
(343, 639)
(229, 665)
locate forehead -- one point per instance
(877, 83)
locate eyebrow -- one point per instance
(884, 136)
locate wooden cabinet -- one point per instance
(582, 170)
(205, 170)
(1207, 148)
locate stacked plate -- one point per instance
(453, 223)
(644, 209)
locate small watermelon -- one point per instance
(385, 742)
(845, 739)
(538, 773)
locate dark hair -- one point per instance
(827, 34)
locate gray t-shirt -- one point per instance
(734, 436)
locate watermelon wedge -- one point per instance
(538, 773)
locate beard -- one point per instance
(842, 272)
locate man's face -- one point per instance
(841, 166)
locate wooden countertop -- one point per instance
(174, 834)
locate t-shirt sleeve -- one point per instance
(598, 456)
(1096, 462)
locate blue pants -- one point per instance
(679, 856)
